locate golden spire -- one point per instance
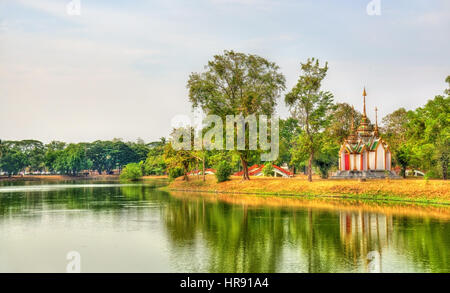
(376, 117)
(352, 136)
(364, 95)
(364, 127)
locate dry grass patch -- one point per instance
(434, 190)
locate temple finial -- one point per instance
(376, 122)
(376, 117)
(364, 95)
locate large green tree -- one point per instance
(237, 83)
(395, 131)
(13, 159)
(429, 135)
(310, 105)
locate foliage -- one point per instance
(175, 172)
(223, 171)
(235, 83)
(178, 159)
(402, 156)
(327, 155)
(132, 171)
(72, 160)
(12, 161)
(340, 122)
(289, 131)
(311, 106)
(268, 169)
(154, 163)
(421, 138)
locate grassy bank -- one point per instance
(408, 190)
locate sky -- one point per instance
(118, 69)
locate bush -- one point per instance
(268, 170)
(223, 171)
(175, 172)
(132, 171)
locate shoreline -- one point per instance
(68, 177)
(56, 177)
(410, 191)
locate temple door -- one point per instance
(347, 162)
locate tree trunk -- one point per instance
(311, 156)
(245, 175)
(203, 167)
(404, 172)
(186, 167)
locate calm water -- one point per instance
(137, 228)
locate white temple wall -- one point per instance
(358, 162)
(380, 158)
(372, 160)
(342, 165)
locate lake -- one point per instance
(116, 227)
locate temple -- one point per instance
(364, 154)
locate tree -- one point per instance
(395, 127)
(132, 171)
(99, 152)
(13, 160)
(235, 83)
(72, 159)
(52, 150)
(268, 169)
(223, 171)
(402, 156)
(289, 131)
(340, 122)
(140, 150)
(155, 164)
(310, 105)
(327, 154)
(122, 154)
(429, 134)
(178, 159)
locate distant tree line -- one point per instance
(56, 157)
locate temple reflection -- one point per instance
(365, 236)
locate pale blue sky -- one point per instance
(120, 68)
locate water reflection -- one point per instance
(146, 229)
